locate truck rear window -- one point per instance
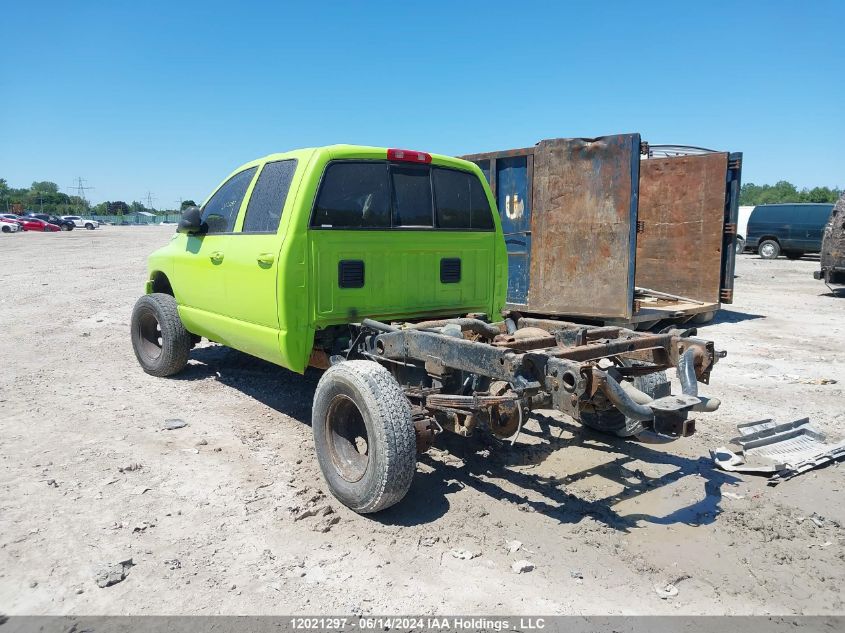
(381, 195)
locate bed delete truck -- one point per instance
(388, 269)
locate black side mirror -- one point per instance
(191, 222)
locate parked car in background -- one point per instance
(9, 226)
(787, 229)
(82, 223)
(35, 224)
(743, 215)
(64, 225)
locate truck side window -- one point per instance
(264, 210)
(353, 195)
(460, 202)
(220, 212)
(411, 196)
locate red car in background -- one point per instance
(34, 224)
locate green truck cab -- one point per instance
(388, 269)
(293, 243)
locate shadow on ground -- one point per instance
(487, 465)
(733, 316)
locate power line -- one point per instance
(80, 187)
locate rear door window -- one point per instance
(264, 210)
(411, 196)
(377, 195)
(221, 211)
(460, 201)
(353, 195)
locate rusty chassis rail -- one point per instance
(542, 363)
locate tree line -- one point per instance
(45, 197)
(783, 191)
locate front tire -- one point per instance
(64, 227)
(89, 226)
(364, 435)
(740, 245)
(6, 229)
(769, 249)
(160, 341)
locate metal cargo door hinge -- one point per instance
(640, 226)
(726, 295)
(730, 228)
(644, 148)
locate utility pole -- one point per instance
(80, 190)
(150, 199)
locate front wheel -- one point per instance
(364, 435)
(769, 249)
(64, 227)
(740, 245)
(89, 226)
(6, 229)
(160, 341)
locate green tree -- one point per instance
(186, 204)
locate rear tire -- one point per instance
(160, 341)
(64, 227)
(364, 435)
(769, 249)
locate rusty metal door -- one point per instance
(583, 227)
(683, 214)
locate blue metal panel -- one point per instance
(514, 203)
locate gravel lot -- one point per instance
(88, 476)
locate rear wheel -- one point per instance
(364, 435)
(64, 227)
(160, 341)
(769, 249)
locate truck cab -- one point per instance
(294, 243)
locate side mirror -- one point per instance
(191, 222)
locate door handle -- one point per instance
(266, 258)
(216, 257)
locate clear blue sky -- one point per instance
(171, 96)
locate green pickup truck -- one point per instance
(387, 268)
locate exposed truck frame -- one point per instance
(466, 373)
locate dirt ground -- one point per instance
(207, 514)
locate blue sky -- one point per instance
(169, 97)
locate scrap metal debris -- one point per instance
(781, 451)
